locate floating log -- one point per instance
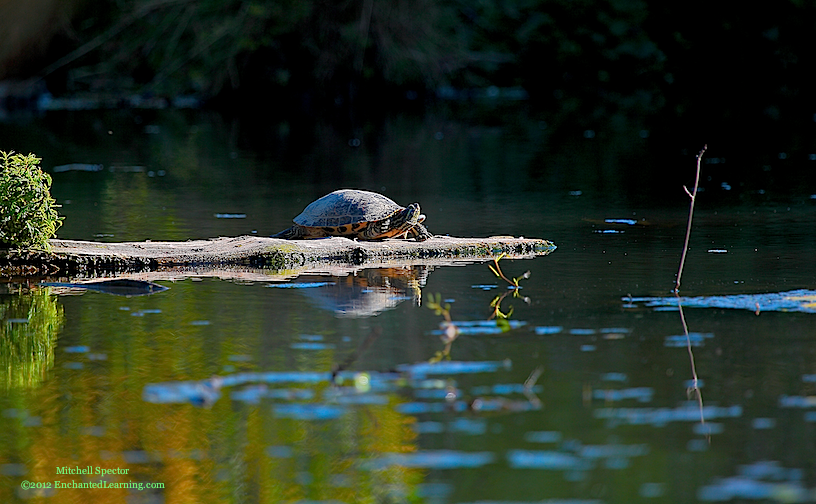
(71, 258)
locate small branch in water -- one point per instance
(694, 389)
(693, 196)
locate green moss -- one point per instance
(283, 256)
(28, 216)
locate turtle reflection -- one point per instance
(370, 292)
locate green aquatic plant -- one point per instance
(451, 331)
(501, 318)
(28, 216)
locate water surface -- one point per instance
(342, 389)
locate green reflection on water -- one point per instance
(87, 407)
(30, 323)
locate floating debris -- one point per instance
(230, 216)
(801, 300)
(628, 222)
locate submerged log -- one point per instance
(71, 258)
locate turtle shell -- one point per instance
(347, 206)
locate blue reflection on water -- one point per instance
(553, 460)
(299, 285)
(681, 341)
(642, 394)
(453, 367)
(433, 459)
(801, 300)
(542, 436)
(308, 411)
(663, 416)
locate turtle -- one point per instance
(363, 215)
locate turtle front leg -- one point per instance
(419, 233)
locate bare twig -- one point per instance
(693, 196)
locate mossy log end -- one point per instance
(84, 258)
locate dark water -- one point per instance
(340, 388)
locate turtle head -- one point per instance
(412, 214)
(400, 223)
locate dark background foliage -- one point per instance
(597, 57)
